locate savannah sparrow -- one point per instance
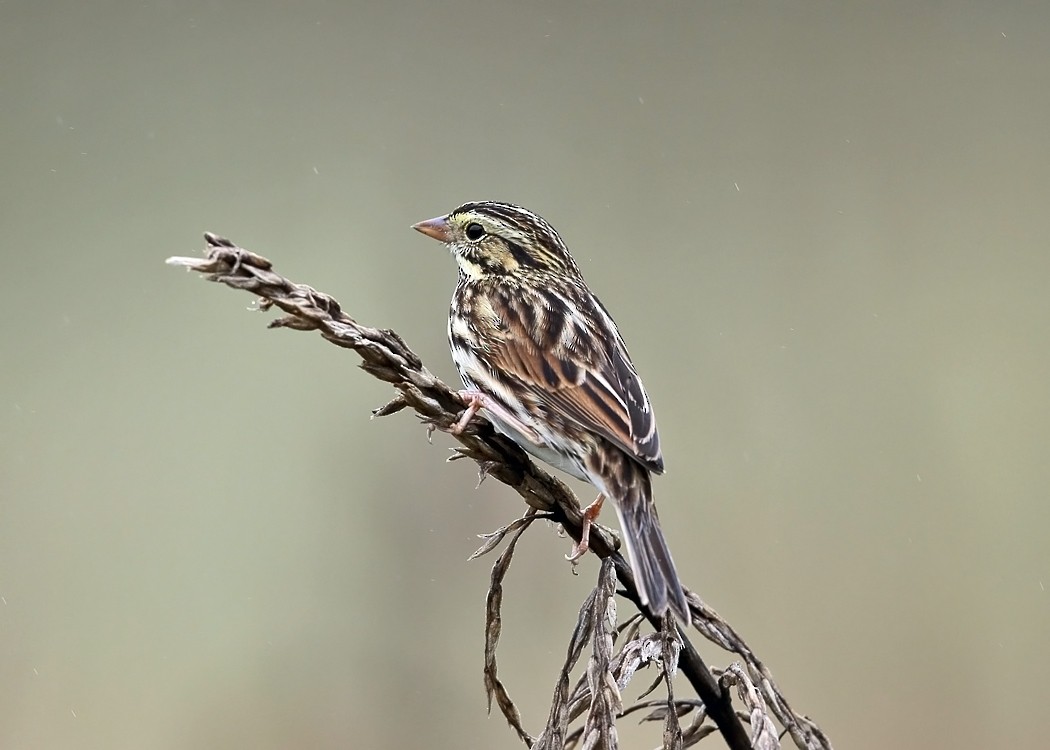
(542, 359)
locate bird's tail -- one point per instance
(654, 570)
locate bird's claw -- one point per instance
(578, 550)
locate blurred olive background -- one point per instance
(823, 229)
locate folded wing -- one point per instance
(580, 369)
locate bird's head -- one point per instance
(500, 239)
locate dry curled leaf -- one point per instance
(763, 732)
(493, 538)
(494, 688)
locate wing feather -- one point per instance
(586, 375)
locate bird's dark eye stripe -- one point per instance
(520, 254)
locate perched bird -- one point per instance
(542, 359)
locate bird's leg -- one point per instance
(477, 400)
(589, 514)
(474, 401)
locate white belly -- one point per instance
(543, 452)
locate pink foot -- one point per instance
(477, 400)
(590, 513)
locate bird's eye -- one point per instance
(475, 231)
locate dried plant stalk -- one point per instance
(387, 357)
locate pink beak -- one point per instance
(436, 228)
